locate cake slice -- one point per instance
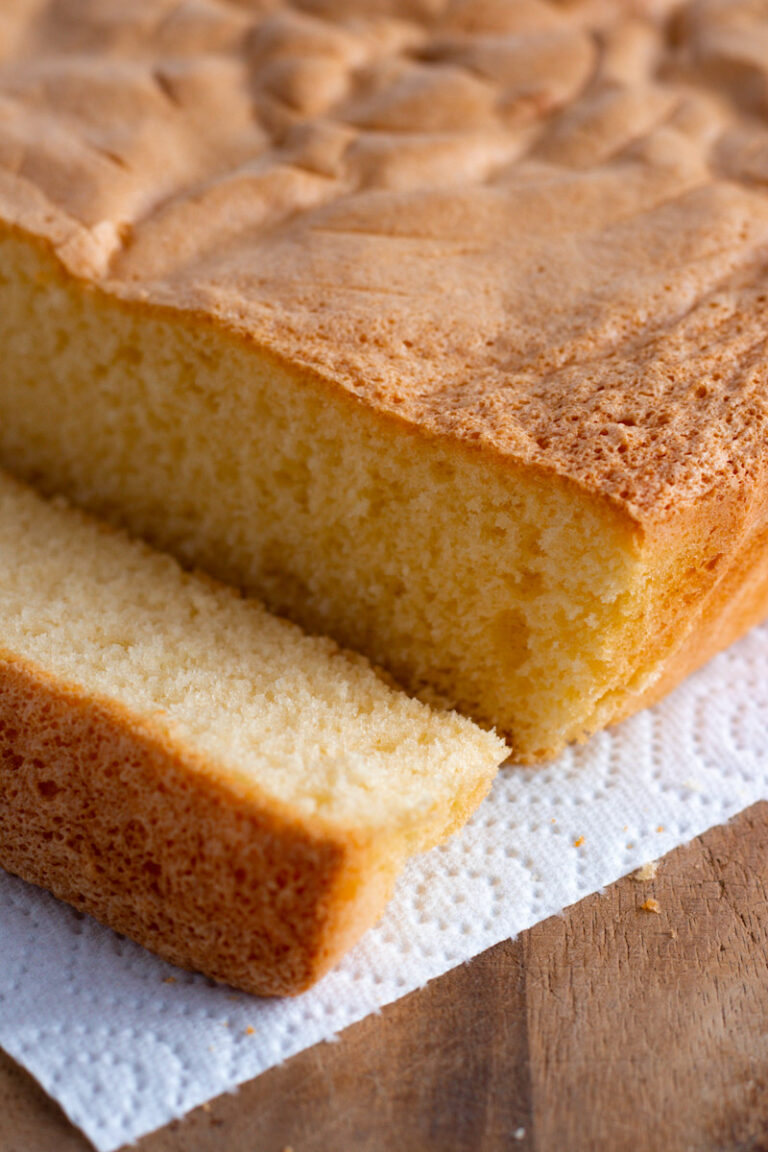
(438, 324)
(197, 773)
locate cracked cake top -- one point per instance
(538, 226)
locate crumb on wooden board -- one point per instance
(646, 871)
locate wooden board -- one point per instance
(612, 1028)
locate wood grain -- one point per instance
(611, 1028)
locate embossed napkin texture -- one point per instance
(125, 1043)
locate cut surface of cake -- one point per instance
(197, 773)
(438, 324)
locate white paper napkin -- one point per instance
(125, 1043)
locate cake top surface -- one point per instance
(539, 226)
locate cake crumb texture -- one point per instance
(439, 324)
(646, 871)
(197, 773)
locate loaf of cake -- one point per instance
(197, 773)
(438, 324)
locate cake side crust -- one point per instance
(734, 604)
(122, 824)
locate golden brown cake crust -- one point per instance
(109, 815)
(538, 227)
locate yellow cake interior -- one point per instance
(249, 695)
(507, 592)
